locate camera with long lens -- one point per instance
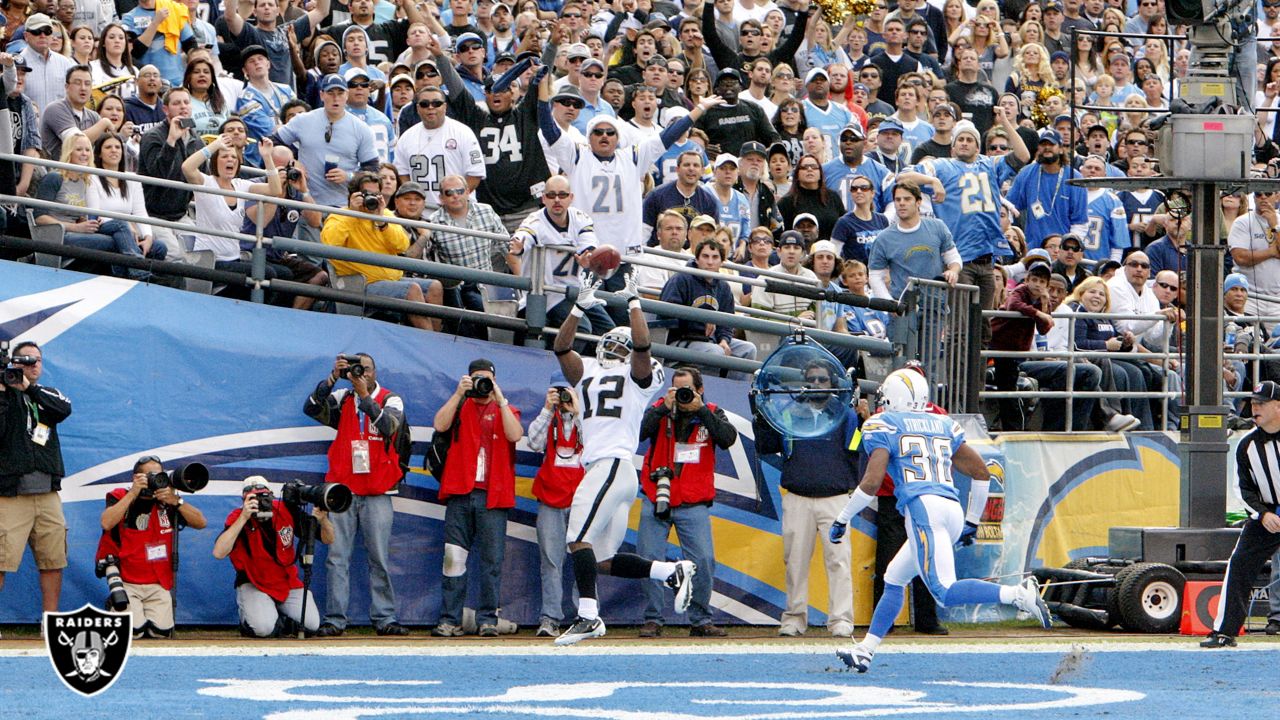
(109, 568)
(292, 173)
(481, 387)
(355, 369)
(661, 478)
(333, 497)
(371, 202)
(685, 395)
(564, 396)
(188, 479)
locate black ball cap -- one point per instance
(481, 364)
(252, 50)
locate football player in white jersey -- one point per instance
(436, 147)
(615, 388)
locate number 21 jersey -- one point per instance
(612, 407)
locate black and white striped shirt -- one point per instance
(1258, 468)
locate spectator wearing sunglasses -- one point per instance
(48, 70)
(458, 210)
(592, 80)
(750, 41)
(438, 146)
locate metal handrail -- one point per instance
(785, 277)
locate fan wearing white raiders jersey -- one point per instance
(436, 147)
(615, 389)
(608, 182)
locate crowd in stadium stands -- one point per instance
(818, 146)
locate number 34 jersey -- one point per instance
(612, 407)
(920, 447)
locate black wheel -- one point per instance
(1149, 596)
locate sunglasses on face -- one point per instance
(807, 167)
(750, 33)
(426, 73)
(997, 148)
(603, 132)
(469, 47)
(1167, 286)
(41, 31)
(430, 103)
(556, 195)
(861, 188)
(593, 75)
(572, 15)
(453, 192)
(1070, 248)
(1138, 265)
(359, 85)
(575, 104)
(1136, 142)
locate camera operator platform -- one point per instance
(1205, 144)
(139, 543)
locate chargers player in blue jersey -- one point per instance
(917, 449)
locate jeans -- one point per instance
(693, 529)
(1129, 378)
(552, 551)
(468, 297)
(371, 516)
(983, 275)
(469, 524)
(112, 236)
(737, 348)
(1052, 375)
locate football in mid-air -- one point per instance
(604, 260)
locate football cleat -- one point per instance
(1028, 600)
(681, 581)
(1218, 640)
(581, 629)
(857, 657)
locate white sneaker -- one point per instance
(1121, 422)
(1028, 600)
(581, 629)
(681, 581)
(548, 628)
(842, 630)
(857, 657)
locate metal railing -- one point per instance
(939, 332)
(533, 324)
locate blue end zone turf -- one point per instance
(1157, 681)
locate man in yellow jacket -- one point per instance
(375, 236)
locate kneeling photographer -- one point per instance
(259, 537)
(137, 553)
(678, 480)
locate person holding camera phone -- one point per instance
(364, 195)
(259, 537)
(557, 429)
(363, 457)
(478, 488)
(678, 480)
(31, 470)
(139, 527)
(162, 151)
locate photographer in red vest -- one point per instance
(678, 480)
(139, 530)
(261, 548)
(478, 487)
(363, 457)
(558, 430)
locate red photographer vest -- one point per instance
(384, 463)
(146, 555)
(561, 469)
(275, 574)
(696, 482)
(464, 455)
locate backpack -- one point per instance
(402, 440)
(434, 459)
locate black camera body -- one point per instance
(12, 366)
(265, 499)
(661, 478)
(109, 568)
(564, 396)
(371, 202)
(356, 369)
(685, 395)
(481, 387)
(333, 497)
(292, 173)
(188, 479)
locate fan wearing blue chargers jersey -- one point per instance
(1108, 236)
(852, 163)
(970, 205)
(1051, 205)
(918, 450)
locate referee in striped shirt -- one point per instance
(1258, 465)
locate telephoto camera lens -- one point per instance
(684, 395)
(108, 568)
(333, 497)
(661, 478)
(481, 386)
